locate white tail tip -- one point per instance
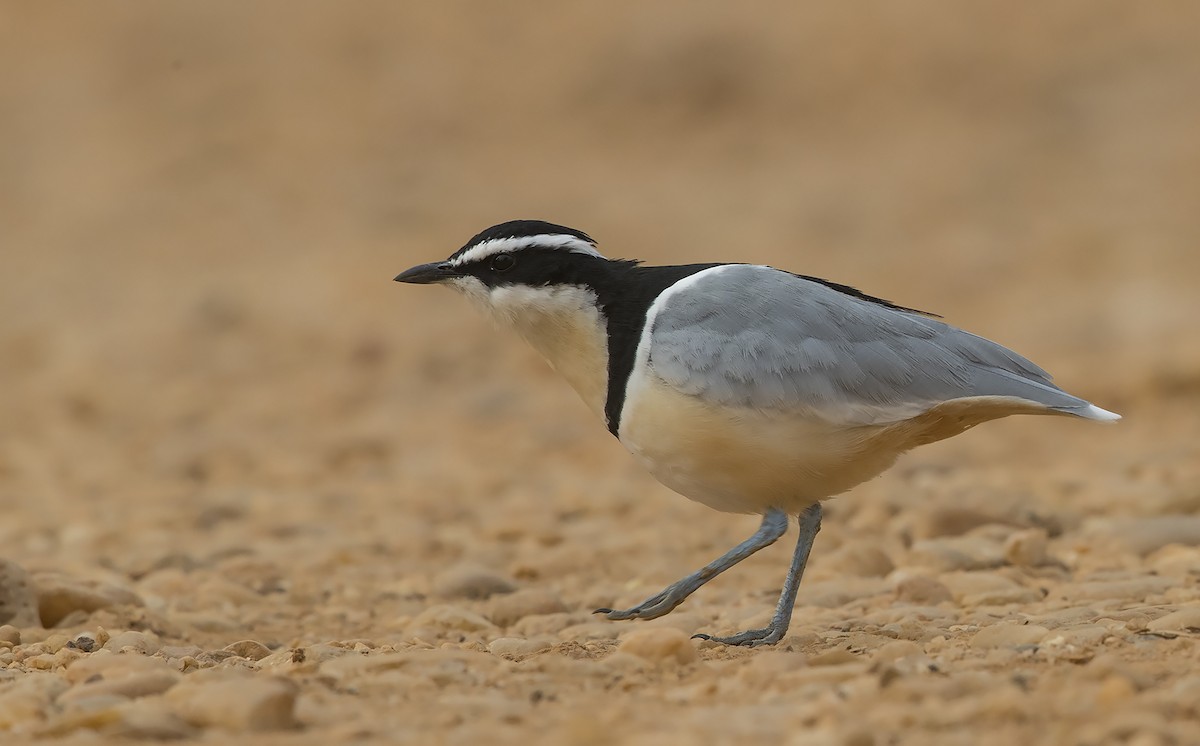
(1101, 415)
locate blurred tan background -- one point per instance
(202, 205)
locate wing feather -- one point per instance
(758, 337)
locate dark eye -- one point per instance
(503, 262)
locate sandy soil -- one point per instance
(252, 491)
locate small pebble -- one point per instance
(907, 630)
(831, 594)
(684, 620)
(450, 618)
(130, 687)
(42, 662)
(237, 703)
(440, 667)
(952, 522)
(1176, 560)
(27, 699)
(1006, 635)
(206, 622)
(1133, 589)
(767, 666)
(146, 643)
(322, 652)
(922, 590)
(1027, 548)
(1084, 636)
(249, 571)
(1145, 535)
(962, 584)
(1187, 620)
(548, 624)
(180, 651)
(894, 651)
(956, 553)
(250, 649)
(835, 657)
(518, 647)
(147, 720)
(18, 601)
(662, 645)
(1001, 597)
(286, 659)
(471, 582)
(624, 663)
(513, 607)
(1067, 617)
(109, 665)
(301, 659)
(587, 631)
(59, 595)
(9, 635)
(861, 559)
(98, 713)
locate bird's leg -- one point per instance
(774, 525)
(810, 524)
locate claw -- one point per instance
(603, 611)
(620, 615)
(750, 638)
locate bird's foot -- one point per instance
(768, 635)
(655, 606)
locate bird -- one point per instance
(743, 387)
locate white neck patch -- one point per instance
(484, 249)
(565, 325)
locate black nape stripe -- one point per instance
(625, 297)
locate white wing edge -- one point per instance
(1100, 415)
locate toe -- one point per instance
(749, 638)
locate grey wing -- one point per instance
(753, 336)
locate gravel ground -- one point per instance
(253, 492)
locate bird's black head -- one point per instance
(517, 254)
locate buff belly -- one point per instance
(744, 460)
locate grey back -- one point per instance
(758, 337)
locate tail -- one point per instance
(1092, 412)
(999, 382)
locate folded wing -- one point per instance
(753, 336)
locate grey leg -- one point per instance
(810, 524)
(774, 525)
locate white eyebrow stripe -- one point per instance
(495, 246)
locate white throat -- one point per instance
(561, 322)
